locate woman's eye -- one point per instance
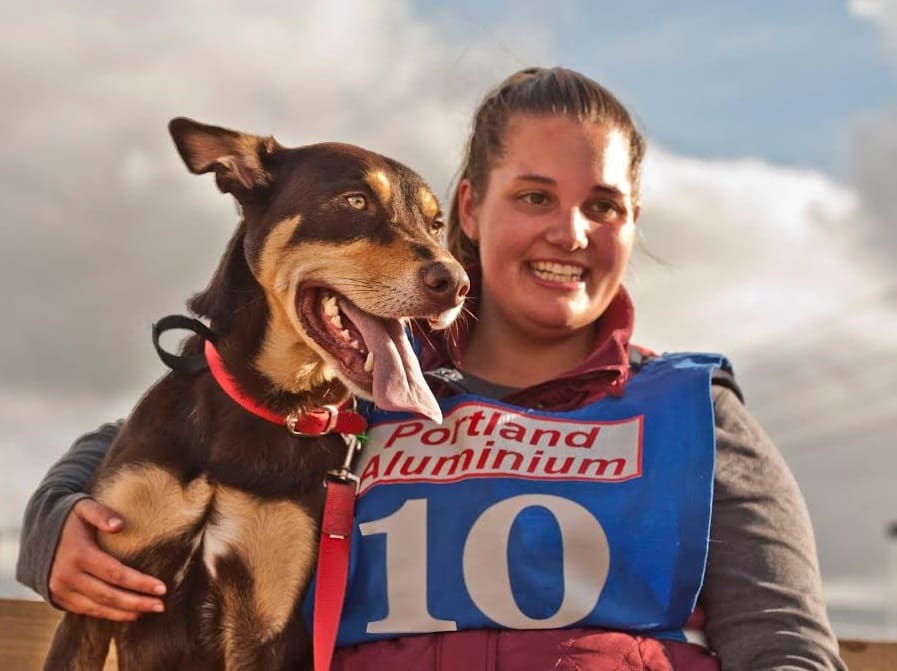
(603, 209)
(534, 197)
(357, 201)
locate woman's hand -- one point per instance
(86, 580)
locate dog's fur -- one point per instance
(219, 504)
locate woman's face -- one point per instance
(555, 226)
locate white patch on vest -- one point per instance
(481, 440)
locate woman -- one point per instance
(585, 506)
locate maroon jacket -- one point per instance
(605, 372)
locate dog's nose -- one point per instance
(445, 281)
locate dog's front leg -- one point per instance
(259, 554)
(81, 643)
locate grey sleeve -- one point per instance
(762, 592)
(47, 509)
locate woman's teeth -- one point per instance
(556, 272)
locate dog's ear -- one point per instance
(238, 159)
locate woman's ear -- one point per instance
(467, 211)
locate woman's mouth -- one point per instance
(560, 273)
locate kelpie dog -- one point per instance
(337, 249)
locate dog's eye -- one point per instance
(436, 226)
(357, 201)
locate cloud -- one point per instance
(749, 252)
(881, 12)
(874, 138)
(104, 227)
(104, 230)
(874, 147)
(791, 275)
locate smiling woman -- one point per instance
(555, 229)
(585, 504)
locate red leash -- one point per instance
(333, 567)
(339, 504)
(333, 556)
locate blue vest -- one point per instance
(508, 517)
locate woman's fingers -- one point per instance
(82, 605)
(102, 595)
(84, 579)
(111, 571)
(97, 515)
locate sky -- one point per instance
(767, 229)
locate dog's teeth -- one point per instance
(369, 363)
(354, 344)
(336, 321)
(330, 307)
(345, 334)
(327, 373)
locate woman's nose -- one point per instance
(569, 230)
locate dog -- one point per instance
(338, 248)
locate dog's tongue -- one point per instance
(399, 383)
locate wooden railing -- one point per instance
(26, 628)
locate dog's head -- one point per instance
(341, 246)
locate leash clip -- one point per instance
(344, 474)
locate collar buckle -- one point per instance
(294, 419)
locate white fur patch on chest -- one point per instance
(220, 538)
(274, 539)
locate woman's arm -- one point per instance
(58, 554)
(762, 591)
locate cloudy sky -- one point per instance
(768, 227)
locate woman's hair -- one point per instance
(536, 91)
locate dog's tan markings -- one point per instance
(276, 542)
(284, 358)
(238, 154)
(381, 279)
(287, 360)
(154, 505)
(381, 185)
(271, 257)
(428, 203)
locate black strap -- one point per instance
(185, 364)
(725, 377)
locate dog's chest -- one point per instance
(273, 541)
(270, 542)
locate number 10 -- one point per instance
(586, 560)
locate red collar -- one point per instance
(316, 422)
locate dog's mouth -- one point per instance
(371, 354)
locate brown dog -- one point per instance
(337, 247)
